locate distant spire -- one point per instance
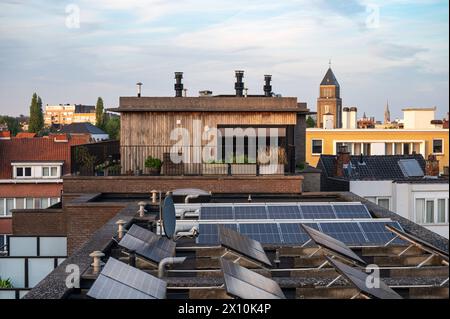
(387, 113)
(329, 63)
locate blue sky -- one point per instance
(394, 50)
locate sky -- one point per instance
(75, 51)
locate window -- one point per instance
(3, 242)
(441, 211)
(2, 207)
(50, 171)
(431, 211)
(317, 146)
(23, 171)
(9, 206)
(20, 203)
(429, 216)
(406, 149)
(29, 203)
(54, 200)
(384, 202)
(44, 203)
(438, 146)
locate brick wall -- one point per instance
(83, 220)
(145, 184)
(5, 226)
(42, 222)
(31, 190)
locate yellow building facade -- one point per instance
(378, 142)
(68, 114)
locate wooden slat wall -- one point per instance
(153, 129)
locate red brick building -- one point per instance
(31, 170)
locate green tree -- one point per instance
(112, 127)
(12, 123)
(40, 113)
(310, 122)
(99, 114)
(35, 119)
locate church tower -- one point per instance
(387, 114)
(329, 101)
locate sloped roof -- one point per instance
(82, 128)
(329, 79)
(375, 167)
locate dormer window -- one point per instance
(23, 171)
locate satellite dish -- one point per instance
(169, 217)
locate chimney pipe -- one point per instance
(342, 159)
(267, 86)
(178, 85)
(139, 89)
(432, 166)
(239, 85)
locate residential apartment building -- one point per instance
(64, 114)
(405, 184)
(419, 136)
(31, 170)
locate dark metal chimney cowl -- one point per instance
(239, 86)
(178, 84)
(267, 86)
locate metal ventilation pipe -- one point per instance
(178, 84)
(168, 261)
(139, 89)
(120, 231)
(267, 86)
(239, 85)
(188, 197)
(97, 260)
(142, 209)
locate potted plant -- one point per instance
(276, 162)
(242, 165)
(5, 283)
(100, 169)
(215, 167)
(153, 165)
(85, 160)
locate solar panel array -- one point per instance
(352, 233)
(147, 244)
(359, 279)
(121, 281)
(285, 211)
(246, 284)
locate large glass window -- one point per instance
(23, 171)
(20, 203)
(429, 216)
(432, 211)
(29, 203)
(420, 210)
(2, 207)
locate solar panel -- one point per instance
(264, 233)
(349, 233)
(284, 212)
(147, 244)
(216, 213)
(250, 212)
(121, 281)
(317, 212)
(332, 244)
(360, 279)
(243, 245)
(209, 233)
(293, 234)
(246, 284)
(410, 168)
(377, 233)
(351, 211)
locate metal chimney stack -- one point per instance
(267, 86)
(178, 84)
(139, 89)
(239, 86)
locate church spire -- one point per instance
(387, 114)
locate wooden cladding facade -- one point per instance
(146, 134)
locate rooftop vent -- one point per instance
(139, 89)
(267, 86)
(239, 85)
(178, 84)
(205, 93)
